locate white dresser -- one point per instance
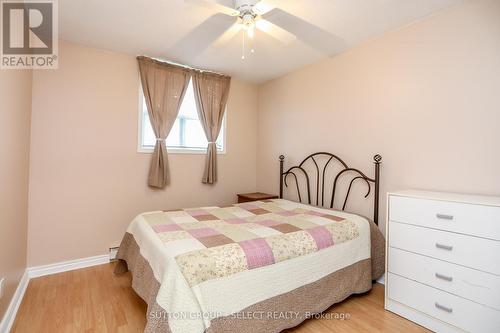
(443, 260)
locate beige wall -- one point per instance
(426, 97)
(15, 110)
(87, 179)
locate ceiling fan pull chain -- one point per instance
(243, 48)
(251, 46)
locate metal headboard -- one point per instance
(320, 190)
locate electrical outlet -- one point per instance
(2, 283)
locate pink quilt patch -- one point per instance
(257, 252)
(268, 223)
(312, 212)
(203, 232)
(196, 212)
(236, 221)
(166, 227)
(287, 213)
(249, 206)
(322, 237)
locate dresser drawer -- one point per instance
(470, 219)
(464, 250)
(451, 309)
(469, 283)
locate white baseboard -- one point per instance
(381, 280)
(66, 266)
(15, 302)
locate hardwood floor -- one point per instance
(95, 300)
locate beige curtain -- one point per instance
(164, 86)
(211, 92)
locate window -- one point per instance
(187, 134)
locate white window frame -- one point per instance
(174, 150)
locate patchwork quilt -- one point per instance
(213, 242)
(211, 264)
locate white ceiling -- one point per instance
(179, 31)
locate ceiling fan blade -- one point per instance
(310, 34)
(201, 37)
(275, 31)
(228, 34)
(214, 6)
(264, 6)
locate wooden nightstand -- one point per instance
(256, 196)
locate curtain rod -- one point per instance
(172, 63)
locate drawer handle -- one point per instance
(442, 307)
(444, 217)
(444, 247)
(444, 277)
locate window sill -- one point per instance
(193, 151)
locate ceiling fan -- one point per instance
(266, 16)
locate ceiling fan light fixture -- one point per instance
(248, 23)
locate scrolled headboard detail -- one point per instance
(299, 172)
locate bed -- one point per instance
(262, 266)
